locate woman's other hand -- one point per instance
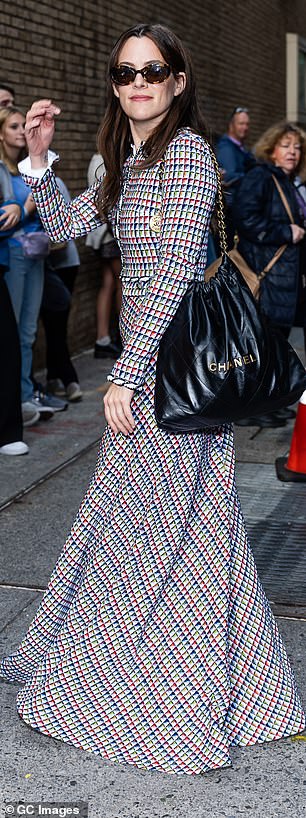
(117, 409)
(297, 233)
(39, 130)
(10, 216)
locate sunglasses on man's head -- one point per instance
(153, 73)
(239, 110)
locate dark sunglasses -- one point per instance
(153, 73)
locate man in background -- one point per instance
(7, 96)
(234, 161)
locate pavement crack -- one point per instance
(20, 611)
(15, 498)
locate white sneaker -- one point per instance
(14, 448)
(30, 413)
(73, 391)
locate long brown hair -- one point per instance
(5, 113)
(114, 135)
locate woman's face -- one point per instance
(287, 152)
(142, 102)
(12, 132)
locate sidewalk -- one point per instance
(39, 495)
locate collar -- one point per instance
(236, 141)
(135, 150)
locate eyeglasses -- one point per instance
(153, 73)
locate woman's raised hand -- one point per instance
(39, 130)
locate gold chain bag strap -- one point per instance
(252, 279)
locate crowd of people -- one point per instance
(36, 280)
(38, 276)
(266, 195)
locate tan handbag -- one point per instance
(252, 279)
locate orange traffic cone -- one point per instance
(293, 468)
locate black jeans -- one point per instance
(55, 321)
(10, 371)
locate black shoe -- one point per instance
(286, 413)
(108, 351)
(246, 422)
(271, 421)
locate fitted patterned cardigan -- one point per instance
(161, 223)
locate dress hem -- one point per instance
(158, 768)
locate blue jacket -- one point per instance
(7, 197)
(235, 161)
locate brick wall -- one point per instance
(60, 48)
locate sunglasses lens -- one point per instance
(122, 74)
(156, 72)
(153, 73)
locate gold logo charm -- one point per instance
(156, 221)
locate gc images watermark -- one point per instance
(36, 810)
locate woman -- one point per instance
(103, 243)
(25, 276)
(264, 226)
(154, 644)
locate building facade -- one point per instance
(250, 53)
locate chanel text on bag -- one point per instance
(224, 366)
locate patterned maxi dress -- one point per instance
(154, 643)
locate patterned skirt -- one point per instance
(154, 643)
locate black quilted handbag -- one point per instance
(219, 360)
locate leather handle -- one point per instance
(284, 199)
(273, 261)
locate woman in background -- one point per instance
(25, 275)
(264, 225)
(106, 248)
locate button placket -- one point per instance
(132, 163)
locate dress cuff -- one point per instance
(25, 167)
(121, 382)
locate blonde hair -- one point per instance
(267, 142)
(5, 113)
